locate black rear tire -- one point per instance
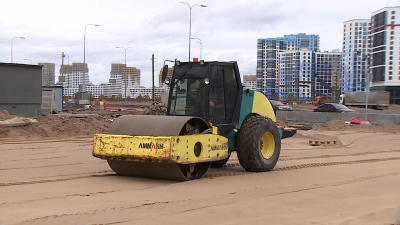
(258, 144)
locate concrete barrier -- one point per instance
(322, 117)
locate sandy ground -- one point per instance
(356, 181)
(312, 107)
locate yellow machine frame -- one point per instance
(175, 149)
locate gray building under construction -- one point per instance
(21, 89)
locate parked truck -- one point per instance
(376, 99)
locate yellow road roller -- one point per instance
(209, 115)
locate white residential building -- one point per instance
(296, 74)
(249, 82)
(327, 74)
(48, 73)
(306, 74)
(354, 60)
(135, 92)
(385, 51)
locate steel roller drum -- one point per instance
(148, 125)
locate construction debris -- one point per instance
(156, 108)
(17, 122)
(318, 143)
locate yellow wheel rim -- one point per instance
(267, 145)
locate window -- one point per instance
(390, 77)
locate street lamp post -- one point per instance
(190, 22)
(12, 47)
(201, 46)
(84, 51)
(126, 75)
(367, 80)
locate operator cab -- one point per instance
(209, 90)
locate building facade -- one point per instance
(268, 50)
(114, 86)
(306, 74)
(354, 62)
(48, 73)
(327, 74)
(21, 89)
(296, 73)
(129, 74)
(385, 52)
(169, 75)
(71, 76)
(130, 77)
(143, 91)
(249, 82)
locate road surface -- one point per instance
(355, 181)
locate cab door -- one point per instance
(224, 93)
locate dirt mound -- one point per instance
(86, 122)
(330, 125)
(4, 115)
(51, 126)
(89, 122)
(335, 125)
(156, 108)
(282, 121)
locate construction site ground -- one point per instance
(48, 176)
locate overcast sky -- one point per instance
(228, 30)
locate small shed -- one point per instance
(21, 89)
(52, 99)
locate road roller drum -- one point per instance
(163, 147)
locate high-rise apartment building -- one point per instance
(169, 75)
(354, 62)
(71, 76)
(296, 74)
(327, 74)
(48, 73)
(249, 82)
(130, 76)
(267, 58)
(306, 74)
(385, 51)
